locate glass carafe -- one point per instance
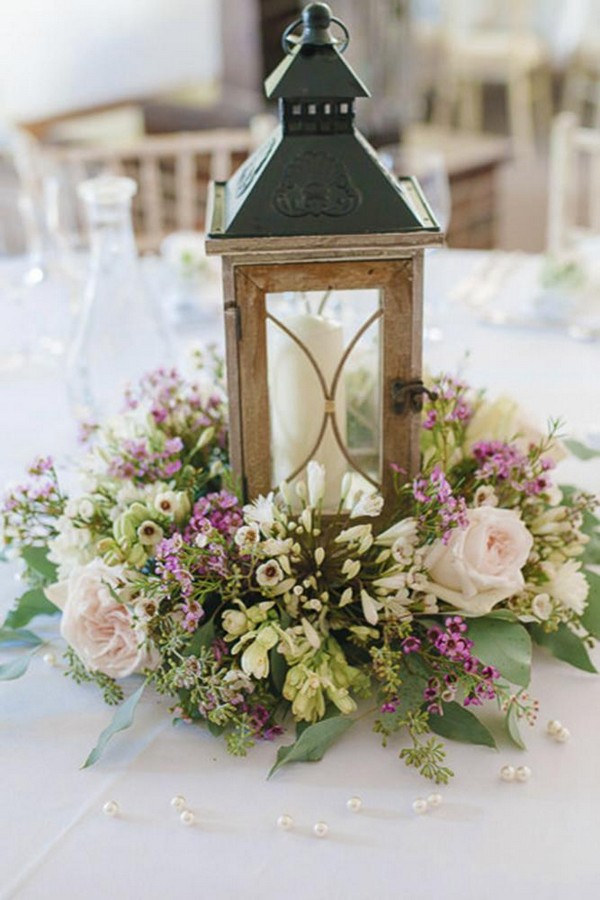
(120, 334)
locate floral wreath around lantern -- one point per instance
(252, 617)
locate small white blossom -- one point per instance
(351, 568)
(567, 585)
(315, 476)
(319, 555)
(269, 574)
(354, 534)
(262, 513)
(370, 607)
(311, 635)
(541, 606)
(367, 505)
(346, 597)
(404, 531)
(247, 535)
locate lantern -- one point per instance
(322, 254)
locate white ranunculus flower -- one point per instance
(567, 585)
(101, 629)
(315, 476)
(481, 564)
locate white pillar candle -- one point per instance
(298, 403)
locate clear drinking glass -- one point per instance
(120, 334)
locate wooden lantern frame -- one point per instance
(255, 267)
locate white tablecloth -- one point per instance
(490, 839)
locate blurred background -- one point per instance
(475, 81)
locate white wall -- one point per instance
(60, 55)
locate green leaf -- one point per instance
(9, 636)
(591, 551)
(202, 639)
(31, 604)
(505, 645)
(512, 727)
(313, 742)
(565, 645)
(279, 668)
(591, 617)
(121, 720)
(215, 730)
(14, 669)
(581, 451)
(459, 724)
(36, 559)
(506, 615)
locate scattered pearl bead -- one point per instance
(178, 802)
(354, 804)
(523, 773)
(49, 659)
(563, 735)
(508, 773)
(420, 806)
(110, 808)
(285, 822)
(553, 726)
(320, 829)
(435, 800)
(187, 817)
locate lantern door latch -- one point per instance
(408, 396)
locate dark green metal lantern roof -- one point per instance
(316, 174)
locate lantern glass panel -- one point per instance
(323, 352)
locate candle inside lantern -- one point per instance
(298, 403)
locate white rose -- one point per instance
(100, 629)
(481, 564)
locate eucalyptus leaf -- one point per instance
(313, 742)
(19, 636)
(564, 644)
(581, 451)
(36, 559)
(122, 719)
(459, 724)
(505, 645)
(512, 727)
(16, 668)
(31, 604)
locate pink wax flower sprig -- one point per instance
(447, 412)
(30, 511)
(437, 508)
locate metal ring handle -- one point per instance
(287, 43)
(346, 40)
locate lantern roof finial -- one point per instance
(313, 66)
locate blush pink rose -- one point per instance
(100, 629)
(481, 564)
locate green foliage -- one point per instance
(313, 742)
(122, 719)
(111, 691)
(581, 451)
(38, 564)
(31, 604)
(512, 727)
(459, 724)
(16, 668)
(591, 616)
(426, 756)
(564, 644)
(19, 637)
(505, 645)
